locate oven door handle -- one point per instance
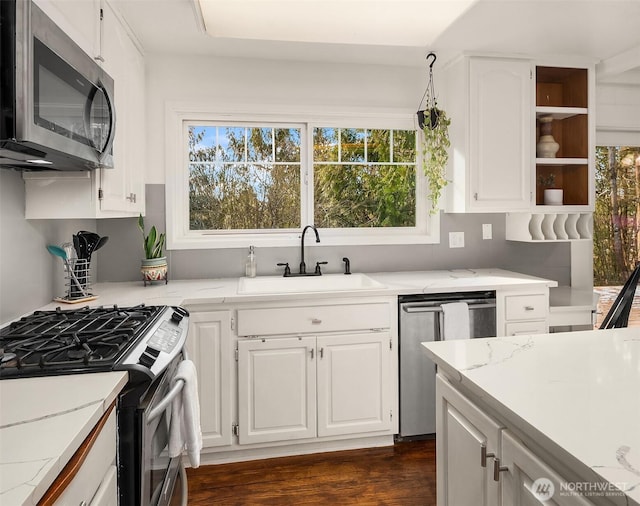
(162, 405)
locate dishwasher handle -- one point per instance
(417, 308)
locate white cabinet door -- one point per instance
(123, 185)
(466, 440)
(209, 346)
(354, 383)
(276, 389)
(500, 126)
(79, 19)
(489, 101)
(527, 481)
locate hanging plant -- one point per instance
(434, 124)
(435, 155)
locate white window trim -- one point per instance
(427, 230)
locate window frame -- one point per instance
(179, 236)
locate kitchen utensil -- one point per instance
(101, 242)
(59, 252)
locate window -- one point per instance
(364, 178)
(260, 180)
(244, 177)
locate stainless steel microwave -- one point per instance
(56, 103)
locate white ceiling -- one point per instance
(391, 31)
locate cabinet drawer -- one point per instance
(311, 319)
(523, 328)
(95, 468)
(526, 307)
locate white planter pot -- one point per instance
(553, 197)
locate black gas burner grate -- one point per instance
(72, 341)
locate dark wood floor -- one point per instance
(402, 475)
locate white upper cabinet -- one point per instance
(102, 193)
(489, 101)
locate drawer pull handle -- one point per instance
(497, 469)
(316, 321)
(484, 456)
(529, 308)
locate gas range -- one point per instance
(140, 339)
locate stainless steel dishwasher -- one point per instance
(421, 319)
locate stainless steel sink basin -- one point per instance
(305, 284)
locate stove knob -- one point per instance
(179, 314)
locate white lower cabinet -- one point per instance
(480, 462)
(276, 389)
(522, 312)
(306, 387)
(528, 481)
(354, 383)
(209, 346)
(95, 482)
(466, 441)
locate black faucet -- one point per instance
(347, 265)
(303, 266)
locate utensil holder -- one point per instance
(78, 279)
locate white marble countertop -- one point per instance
(225, 290)
(43, 421)
(577, 391)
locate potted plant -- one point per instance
(552, 196)
(434, 124)
(154, 264)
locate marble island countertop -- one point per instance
(575, 393)
(43, 421)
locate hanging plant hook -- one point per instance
(431, 104)
(434, 60)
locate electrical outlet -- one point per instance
(487, 232)
(456, 239)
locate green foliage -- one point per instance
(152, 243)
(616, 217)
(249, 178)
(435, 155)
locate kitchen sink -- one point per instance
(304, 284)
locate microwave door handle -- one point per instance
(112, 125)
(166, 400)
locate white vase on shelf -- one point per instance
(553, 197)
(546, 147)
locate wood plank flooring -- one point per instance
(403, 475)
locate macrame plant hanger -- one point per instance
(430, 105)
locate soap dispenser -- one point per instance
(250, 267)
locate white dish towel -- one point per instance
(185, 431)
(456, 321)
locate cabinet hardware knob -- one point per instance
(475, 196)
(484, 455)
(497, 469)
(132, 198)
(321, 352)
(316, 321)
(312, 353)
(529, 308)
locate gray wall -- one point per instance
(121, 261)
(29, 275)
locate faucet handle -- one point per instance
(318, 264)
(287, 270)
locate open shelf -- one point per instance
(562, 95)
